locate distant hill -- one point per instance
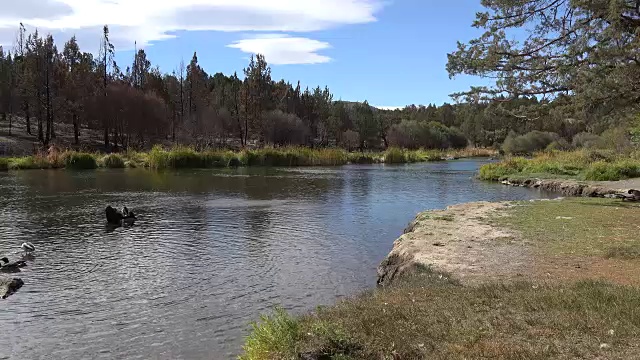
(351, 104)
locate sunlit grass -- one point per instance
(581, 165)
(421, 319)
(577, 226)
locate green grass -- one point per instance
(113, 161)
(28, 163)
(80, 161)
(420, 319)
(580, 165)
(577, 226)
(276, 334)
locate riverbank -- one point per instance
(580, 165)
(521, 290)
(183, 157)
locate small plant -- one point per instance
(444, 218)
(275, 337)
(394, 156)
(113, 161)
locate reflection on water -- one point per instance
(210, 252)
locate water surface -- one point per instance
(210, 252)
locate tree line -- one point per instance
(139, 106)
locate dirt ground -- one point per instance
(465, 241)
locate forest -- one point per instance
(135, 106)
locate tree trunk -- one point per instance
(49, 115)
(10, 122)
(27, 116)
(40, 133)
(106, 137)
(76, 130)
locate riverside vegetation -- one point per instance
(594, 165)
(187, 157)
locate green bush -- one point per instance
(411, 134)
(113, 161)
(80, 161)
(274, 338)
(4, 164)
(587, 140)
(559, 145)
(184, 157)
(158, 158)
(528, 143)
(394, 155)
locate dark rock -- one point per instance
(113, 216)
(9, 286)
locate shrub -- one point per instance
(618, 139)
(158, 158)
(79, 161)
(411, 134)
(394, 155)
(4, 164)
(560, 144)
(528, 143)
(113, 161)
(587, 140)
(284, 129)
(275, 337)
(185, 157)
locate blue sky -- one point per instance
(391, 54)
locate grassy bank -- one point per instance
(578, 299)
(417, 319)
(589, 229)
(579, 165)
(184, 157)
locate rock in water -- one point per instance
(113, 216)
(8, 286)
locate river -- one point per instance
(211, 251)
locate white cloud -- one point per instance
(389, 107)
(146, 21)
(281, 49)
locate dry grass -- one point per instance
(423, 319)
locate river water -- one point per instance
(211, 251)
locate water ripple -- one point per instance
(209, 253)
